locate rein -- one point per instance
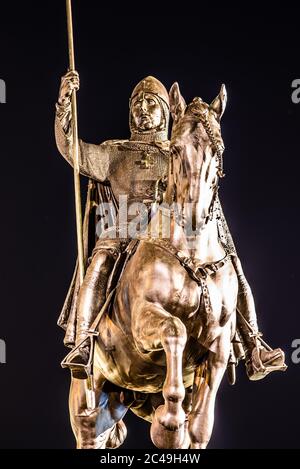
(219, 150)
(197, 271)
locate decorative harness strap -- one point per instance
(197, 271)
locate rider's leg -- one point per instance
(259, 361)
(93, 291)
(91, 298)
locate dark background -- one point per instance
(255, 53)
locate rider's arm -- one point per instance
(93, 159)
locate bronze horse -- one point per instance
(166, 340)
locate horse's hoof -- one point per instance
(173, 436)
(170, 420)
(117, 435)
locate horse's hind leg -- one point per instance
(207, 381)
(85, 422)
(158, 329)
(83, 419)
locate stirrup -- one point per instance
(257, 368)
(80, 370)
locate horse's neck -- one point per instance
(204, 246)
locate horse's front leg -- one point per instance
(155, 329)
(206, 384)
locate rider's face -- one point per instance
(146, 112)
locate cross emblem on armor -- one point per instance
(146, 161)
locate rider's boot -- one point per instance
(91, 298)
(260, 359)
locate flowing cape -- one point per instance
(97, 193)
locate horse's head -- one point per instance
(196, 152)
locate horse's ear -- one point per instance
(219, 103)
(177, 102)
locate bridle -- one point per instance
(161, 184)
(219, 150)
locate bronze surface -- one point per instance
(165, 343)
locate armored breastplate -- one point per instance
(135, 169)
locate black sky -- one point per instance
(255, 53)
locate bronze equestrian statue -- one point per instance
(159, 317)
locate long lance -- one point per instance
(75, 151)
